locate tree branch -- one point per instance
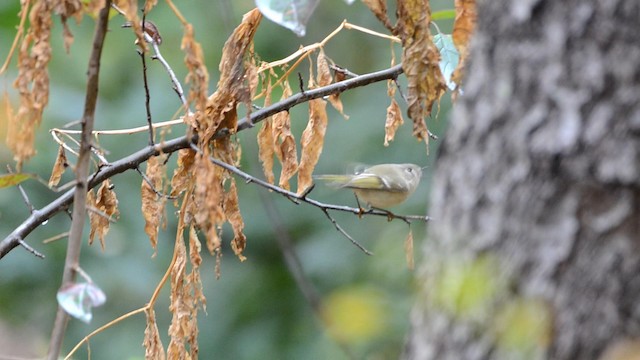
(134, 160)
(74, 243)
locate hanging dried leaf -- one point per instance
(232, 211)
(178, 299)
(266, 143)
(285, 146)
(394, 120)
(233, 86)
(183, 174)
(195, 296)
(106, 203)
(323, 76)
(420, 62)
(198, 75)
(58, 167)
(67, 9)
(379, 9)
(32, 83)
(152, 203)
(463, 27)
(152, 343)
(334, 99)
(253, 79)
(312, 142)
(208, 197)
(408, 250)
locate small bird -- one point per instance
(379, 186)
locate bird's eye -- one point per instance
(409, 169)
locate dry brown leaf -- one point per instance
(58, 167)
(233, 86)
(152, 203)
(195, 295)
(463, 27)
(178, 301)
(67, 9)
(285, 146)
(266, 143)
(394, 120)
(198, 75)
(208, 198)
(253, 79)
(420, 59)
(183, 174)
(152, 343)
(32, 83)
(106, 202)
(334, 99)
(232, 211)
(379, 9)
(408, 250)
(312, 142)
(323, 76)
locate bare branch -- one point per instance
(82, 176)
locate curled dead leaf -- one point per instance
(420, 62)
(183, 174)
(106, 202)
(312, 142)
(58, 167)
(232, 211)
(463, 27)
(285, 146)
(408, 250)
(152, 203)
(266, 143)
(393, 122)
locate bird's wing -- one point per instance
(367, 181)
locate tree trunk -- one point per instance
(535, 247)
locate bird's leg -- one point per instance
(390, 215)
(360, 208)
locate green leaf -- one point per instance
(13, 179)
(449, 57)
(443, 15)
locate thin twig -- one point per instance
(147, 97)
(324, 207)
(341, 230)
(170, 146)
(25, 198)
(82, 176)
(157, 55)
(101, 214)
(56, 237)
(156, 191)
(30, 249)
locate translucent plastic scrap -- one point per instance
(78, 300)
(292, 14)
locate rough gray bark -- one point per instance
(540, 173)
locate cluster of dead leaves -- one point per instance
(420, 58)
(276, 140)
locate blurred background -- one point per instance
(255, 310)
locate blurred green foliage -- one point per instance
(255, 309)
